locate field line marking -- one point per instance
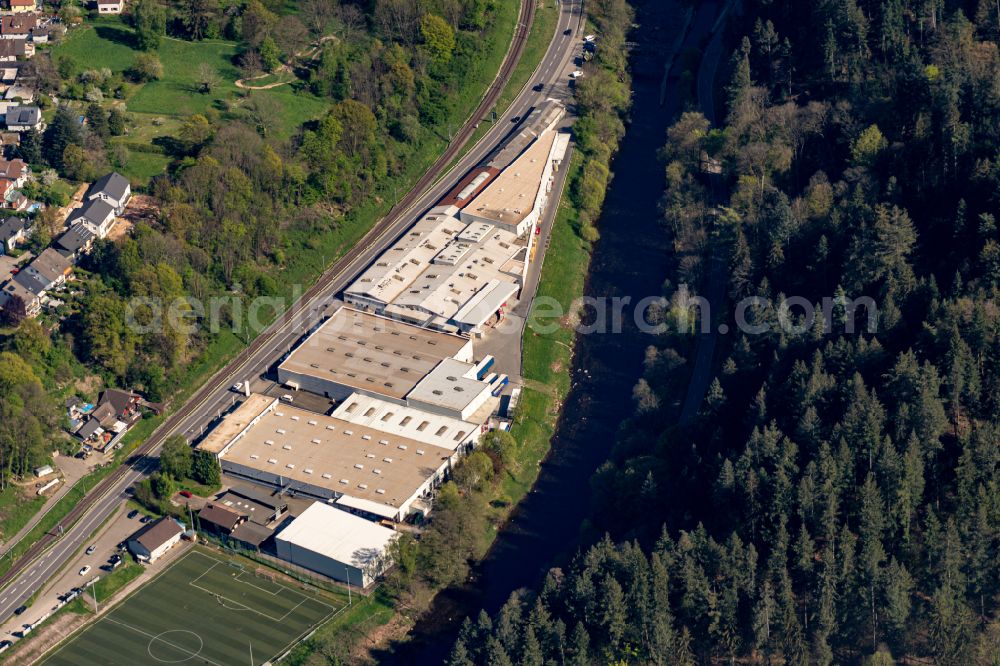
(273, 594)
(192, 582)
(334, 612)
(293, 609)
(197, 655)
(233, 601)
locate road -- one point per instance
(51, 553)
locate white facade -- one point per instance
(393, 419)
(336, 544)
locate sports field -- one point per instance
(201, 610)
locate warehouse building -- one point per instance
(356, 351)
(516, 197)
(445, 274)
(362, 469)
(416, 424)
(336, 544)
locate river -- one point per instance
(631, 258)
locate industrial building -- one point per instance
(336, 544)
(460, 267)
(391, 418)
(444, 273)
(362, 469)
(356, 351)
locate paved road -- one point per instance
(37, 567)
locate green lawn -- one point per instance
(143, 166)
(158, 107)
(16, 511)
(203, 610)
(547, 356)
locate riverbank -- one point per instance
(578, 387)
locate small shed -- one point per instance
(44, 470)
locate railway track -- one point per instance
(221, 377)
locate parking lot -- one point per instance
(116, 530)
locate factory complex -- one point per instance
(405, 394)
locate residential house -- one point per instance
(219, 519)
(13, 230)
(8, 74)
(152, 541)
(113, 188)
(12, 49)
(19, 94)
(76, 242)
(97, 214)
(45, 272)
(16, 171)
(22, 6)
(23, 118)
(19, 303)
(18, 26)
(110, 6)
(11, 197)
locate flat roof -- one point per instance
(451, 385)
(235, 422)
(444, 431)
(337, 455)
(511, 196)
(487, 301)
(373, 353)
(338, 535)
(465, 266)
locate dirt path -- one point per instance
(309, 52)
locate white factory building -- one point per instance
(362, 469)
(444, 273)
(460, 267)
(394, 419)
(336, 544)
(360, 352)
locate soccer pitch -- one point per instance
(201, 610)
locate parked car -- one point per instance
(287, 398)
(576, 74)
(20, 609)
(146, 519)
(84, 570)
(5, 645)
(90, 551)
(589, 38)
(238, 386)
(133, 513)
(186, 493)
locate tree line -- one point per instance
(836, 499)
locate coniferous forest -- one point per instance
(836, 498)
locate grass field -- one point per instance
(158, 107)
(202, 610)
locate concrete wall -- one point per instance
(315, 385)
